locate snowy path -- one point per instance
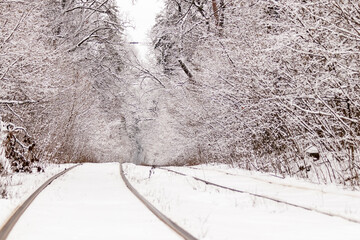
(89, 202)
(209, 212)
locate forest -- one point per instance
(264, 85)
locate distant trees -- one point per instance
(269, 80)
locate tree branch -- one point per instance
(84, 7)
(88, 37)
(8, 68)
(185, 69)
(14, 102)
(325, 114)
(16, 27)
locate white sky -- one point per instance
(141, 14)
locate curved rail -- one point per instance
(263, 196)
(280, 184)
(183, 233)
(8, 226)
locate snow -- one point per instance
(312, 149)
(329, 199)
(89, 202)
(92, 202)
(208, 212)
(21, 185)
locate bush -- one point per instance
(19, 149)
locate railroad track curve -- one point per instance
(10, 223)
(274, 199)
(278, 183)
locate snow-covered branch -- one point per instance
(86, 8)
(324, 114)
(90, 35)
(15, 102)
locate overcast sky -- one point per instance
(142, 15)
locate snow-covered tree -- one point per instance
(57, 59)
(269, 80)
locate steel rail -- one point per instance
(10, 223)
(263, 196)
(183, 233)
(280, 184)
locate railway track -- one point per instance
(274, 199)
(8, 226)
(183, 233)
(10, 223)
(280, 184)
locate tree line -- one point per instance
(60, 65)
(264, 84)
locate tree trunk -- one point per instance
(185, 69)
(222, 14)
(216, 12)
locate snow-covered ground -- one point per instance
(89, 202)
(209, 212)
(22, 185)
(92, 202)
